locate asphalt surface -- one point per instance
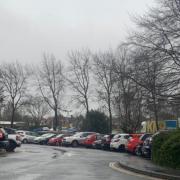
(35, 162)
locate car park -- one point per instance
(76, 140)
(14, 139)
(27, 136)
(119, 141)
(43, 139)
(3, 139)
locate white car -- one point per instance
(27, 136)
(119, 142)
(43, 139)
(76, 140)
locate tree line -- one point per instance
(138, 80)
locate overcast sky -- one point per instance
(30, 27)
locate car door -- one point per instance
(28, 136)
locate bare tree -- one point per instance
(51, 84)
(37, 108)
(79, 76)
(103, 70)
(159, 33)
(149, 71)
(128, 95)
(13, 78)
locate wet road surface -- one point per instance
(35, 162)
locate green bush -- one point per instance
(170, 151)
(166, 149)
(96, 121)
(158, 141)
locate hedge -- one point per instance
(166, 149)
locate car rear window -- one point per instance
(144, 136)
(117, 136)
(10, 131)
(126, 137)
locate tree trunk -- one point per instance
(55, 124)
(110, 115)
(155, 112)
(87, 104)
(12, 116)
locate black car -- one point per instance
(144, 148)
(14, 139)
(3, 139)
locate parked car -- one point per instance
(27, 136)
(57, 140)
(97, 144)
(14, 139)
(91, 138)
(147, 147)
(119, 141)
(43, 139)
(3, 139)
(144, 147)
(76, 140)
(106, 140)
(133, 142)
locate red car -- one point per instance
(135, 141)
(90, 139)
(56, 141)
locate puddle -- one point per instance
(61, 150)
(55, 155)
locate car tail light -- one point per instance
(1, 135)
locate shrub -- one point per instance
(170, 151)
(158, 140)
(166, 149)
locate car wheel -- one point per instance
(25, 141)
(11, 146)
(74, 144)
(58, 144)
(121, 148)
(42, 143)
(138, 152)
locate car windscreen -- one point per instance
(60, 135)
(47, 135)
(77, 135)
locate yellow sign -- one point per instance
(152, 128)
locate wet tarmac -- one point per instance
(35, 162)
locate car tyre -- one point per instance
(138, 152)
(74, 144)
(11, 146)
(25, 141)
(58, 144)
(121, 148)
